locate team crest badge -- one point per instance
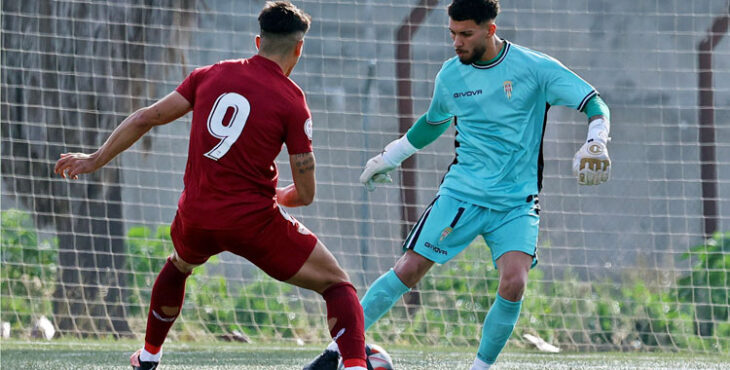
(508, 89)
(445, 233)
(308, 128)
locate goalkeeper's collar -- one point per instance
(496, 60)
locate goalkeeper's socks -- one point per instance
(381, 296)
(168, 294)
(344, 316)
(498, 326)
(480, 365)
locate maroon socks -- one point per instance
(168, 295)
(345, 320)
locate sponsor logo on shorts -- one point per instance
(445, 233)
(436, 249)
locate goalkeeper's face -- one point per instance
(470, 39)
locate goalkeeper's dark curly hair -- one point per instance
(479, 11)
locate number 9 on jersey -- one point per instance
(227, 133)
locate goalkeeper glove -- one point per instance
(591, 164)
(377, 168)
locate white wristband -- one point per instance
(598, 130)
(397, 151)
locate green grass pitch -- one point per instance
(226, 356)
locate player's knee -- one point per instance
(411, 267)
(337, 275)
(181, 265)
(408, 275)
(512, 286)
(330, 277)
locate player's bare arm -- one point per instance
(301, 192)
(166, 110)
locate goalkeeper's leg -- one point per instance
(502, 316)
(389, 287)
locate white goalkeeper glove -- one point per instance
(377, 168)
(376, 172)
(591, 164)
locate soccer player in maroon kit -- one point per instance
(243, 111)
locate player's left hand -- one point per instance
(591, 164)
(287, 196)
(71, 165)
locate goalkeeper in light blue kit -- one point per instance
(497, 94)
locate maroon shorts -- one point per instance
(275, 242)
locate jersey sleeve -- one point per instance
(438, 112)
(188, 86)
(299, 128)
(564, 87)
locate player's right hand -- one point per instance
(71, 165)
(376, 172)
(591, 164)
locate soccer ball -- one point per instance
(377, 358)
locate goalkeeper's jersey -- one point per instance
(500, 110)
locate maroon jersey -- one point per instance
(243, 112)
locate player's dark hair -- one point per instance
(283, 18)
(479, 11)
(282, 26)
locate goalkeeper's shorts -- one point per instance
(449, 225)
(275, 242)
